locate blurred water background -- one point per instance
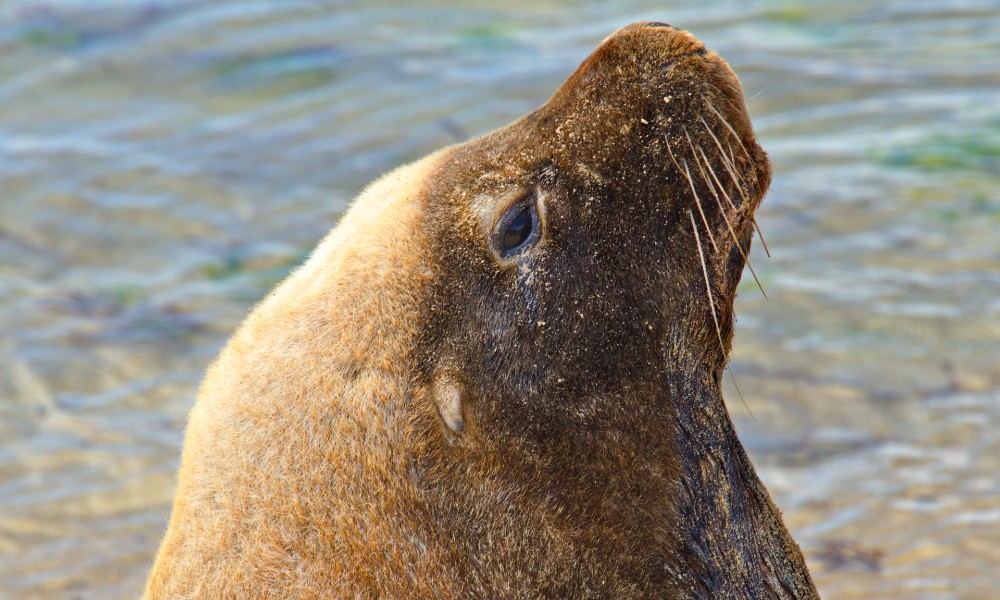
(164, 163)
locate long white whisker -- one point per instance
(708, 286)
(760, 234)
(722, 209)
(697, 203)
(729, 127)
(726, 161)
(730, 168)
(715, 316)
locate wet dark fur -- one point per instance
(596, 457)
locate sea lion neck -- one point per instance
(728, 520)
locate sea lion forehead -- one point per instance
(652, 39)
(634, 92)
(636, 57)
(616, 126)
(612, 90)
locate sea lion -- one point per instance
(500, 375)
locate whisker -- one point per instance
(739, 393)
(726, 161)
(671, 152)
(715, 177)
(711, 187)
(728, 96)
(760, 234)
(697, 202)
(702, 171)
(708, 286)
(722, 209)
(728, 126)
(726, 99)
(732, 155)
(729, 167)
(687, 134)
(715, 316)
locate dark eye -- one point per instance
(517, 229)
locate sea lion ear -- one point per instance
(449, 396)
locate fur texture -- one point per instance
(412, 415)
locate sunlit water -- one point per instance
(162, 164)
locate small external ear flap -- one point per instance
(450, 397)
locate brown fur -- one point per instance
(408, 416)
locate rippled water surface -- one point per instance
(162, 164)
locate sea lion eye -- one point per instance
(517, 230)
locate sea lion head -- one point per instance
(586, 262)
(576, 251)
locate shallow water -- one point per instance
(164, 163)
